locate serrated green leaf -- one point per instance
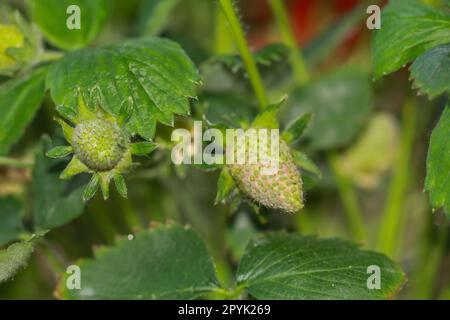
(154, 73)
(296, 128)
(20, 98)
(217, 78)
(143, 148)
(11, 226)
(154, 15)
(59, 152)
(55, 202)
(226, 73)
(225, 184)
(408, 29)
(271, 53)
(52, 17)
(291, 266)
(15, 257)
(431, 71)
(228, 109)
(171, 263)
(303, 162)
(266, 56)
(437, 181)
(340, 102)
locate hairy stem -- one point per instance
(349, 200)
(247, 57)
(223, 41)
(390, 228)
(301, 75)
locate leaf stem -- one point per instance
(230, 294)
(48, 56)
(301, 75)
(100, 219)
(429, 268)
(17, 163)
(349, 200)
(57, 256)
(131, 217)
(247, 57)
(223, 41)
(390, 227)
(52, 259)
(305, 223)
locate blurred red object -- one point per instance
(308, 17)
(343, 6)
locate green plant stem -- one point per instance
(349, 200)
(429, 265)
(56, 265)
(56, 256)
(230, 294)
(247, 57)
(17, 163)
(224, 270)
(390, 227)
(101, 220)
(304, 223)
(131, 217)
(48, 56)
(223, 42)
(301, 75)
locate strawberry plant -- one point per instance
(123, 125)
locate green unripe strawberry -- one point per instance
(100, 144)
(282, 190)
